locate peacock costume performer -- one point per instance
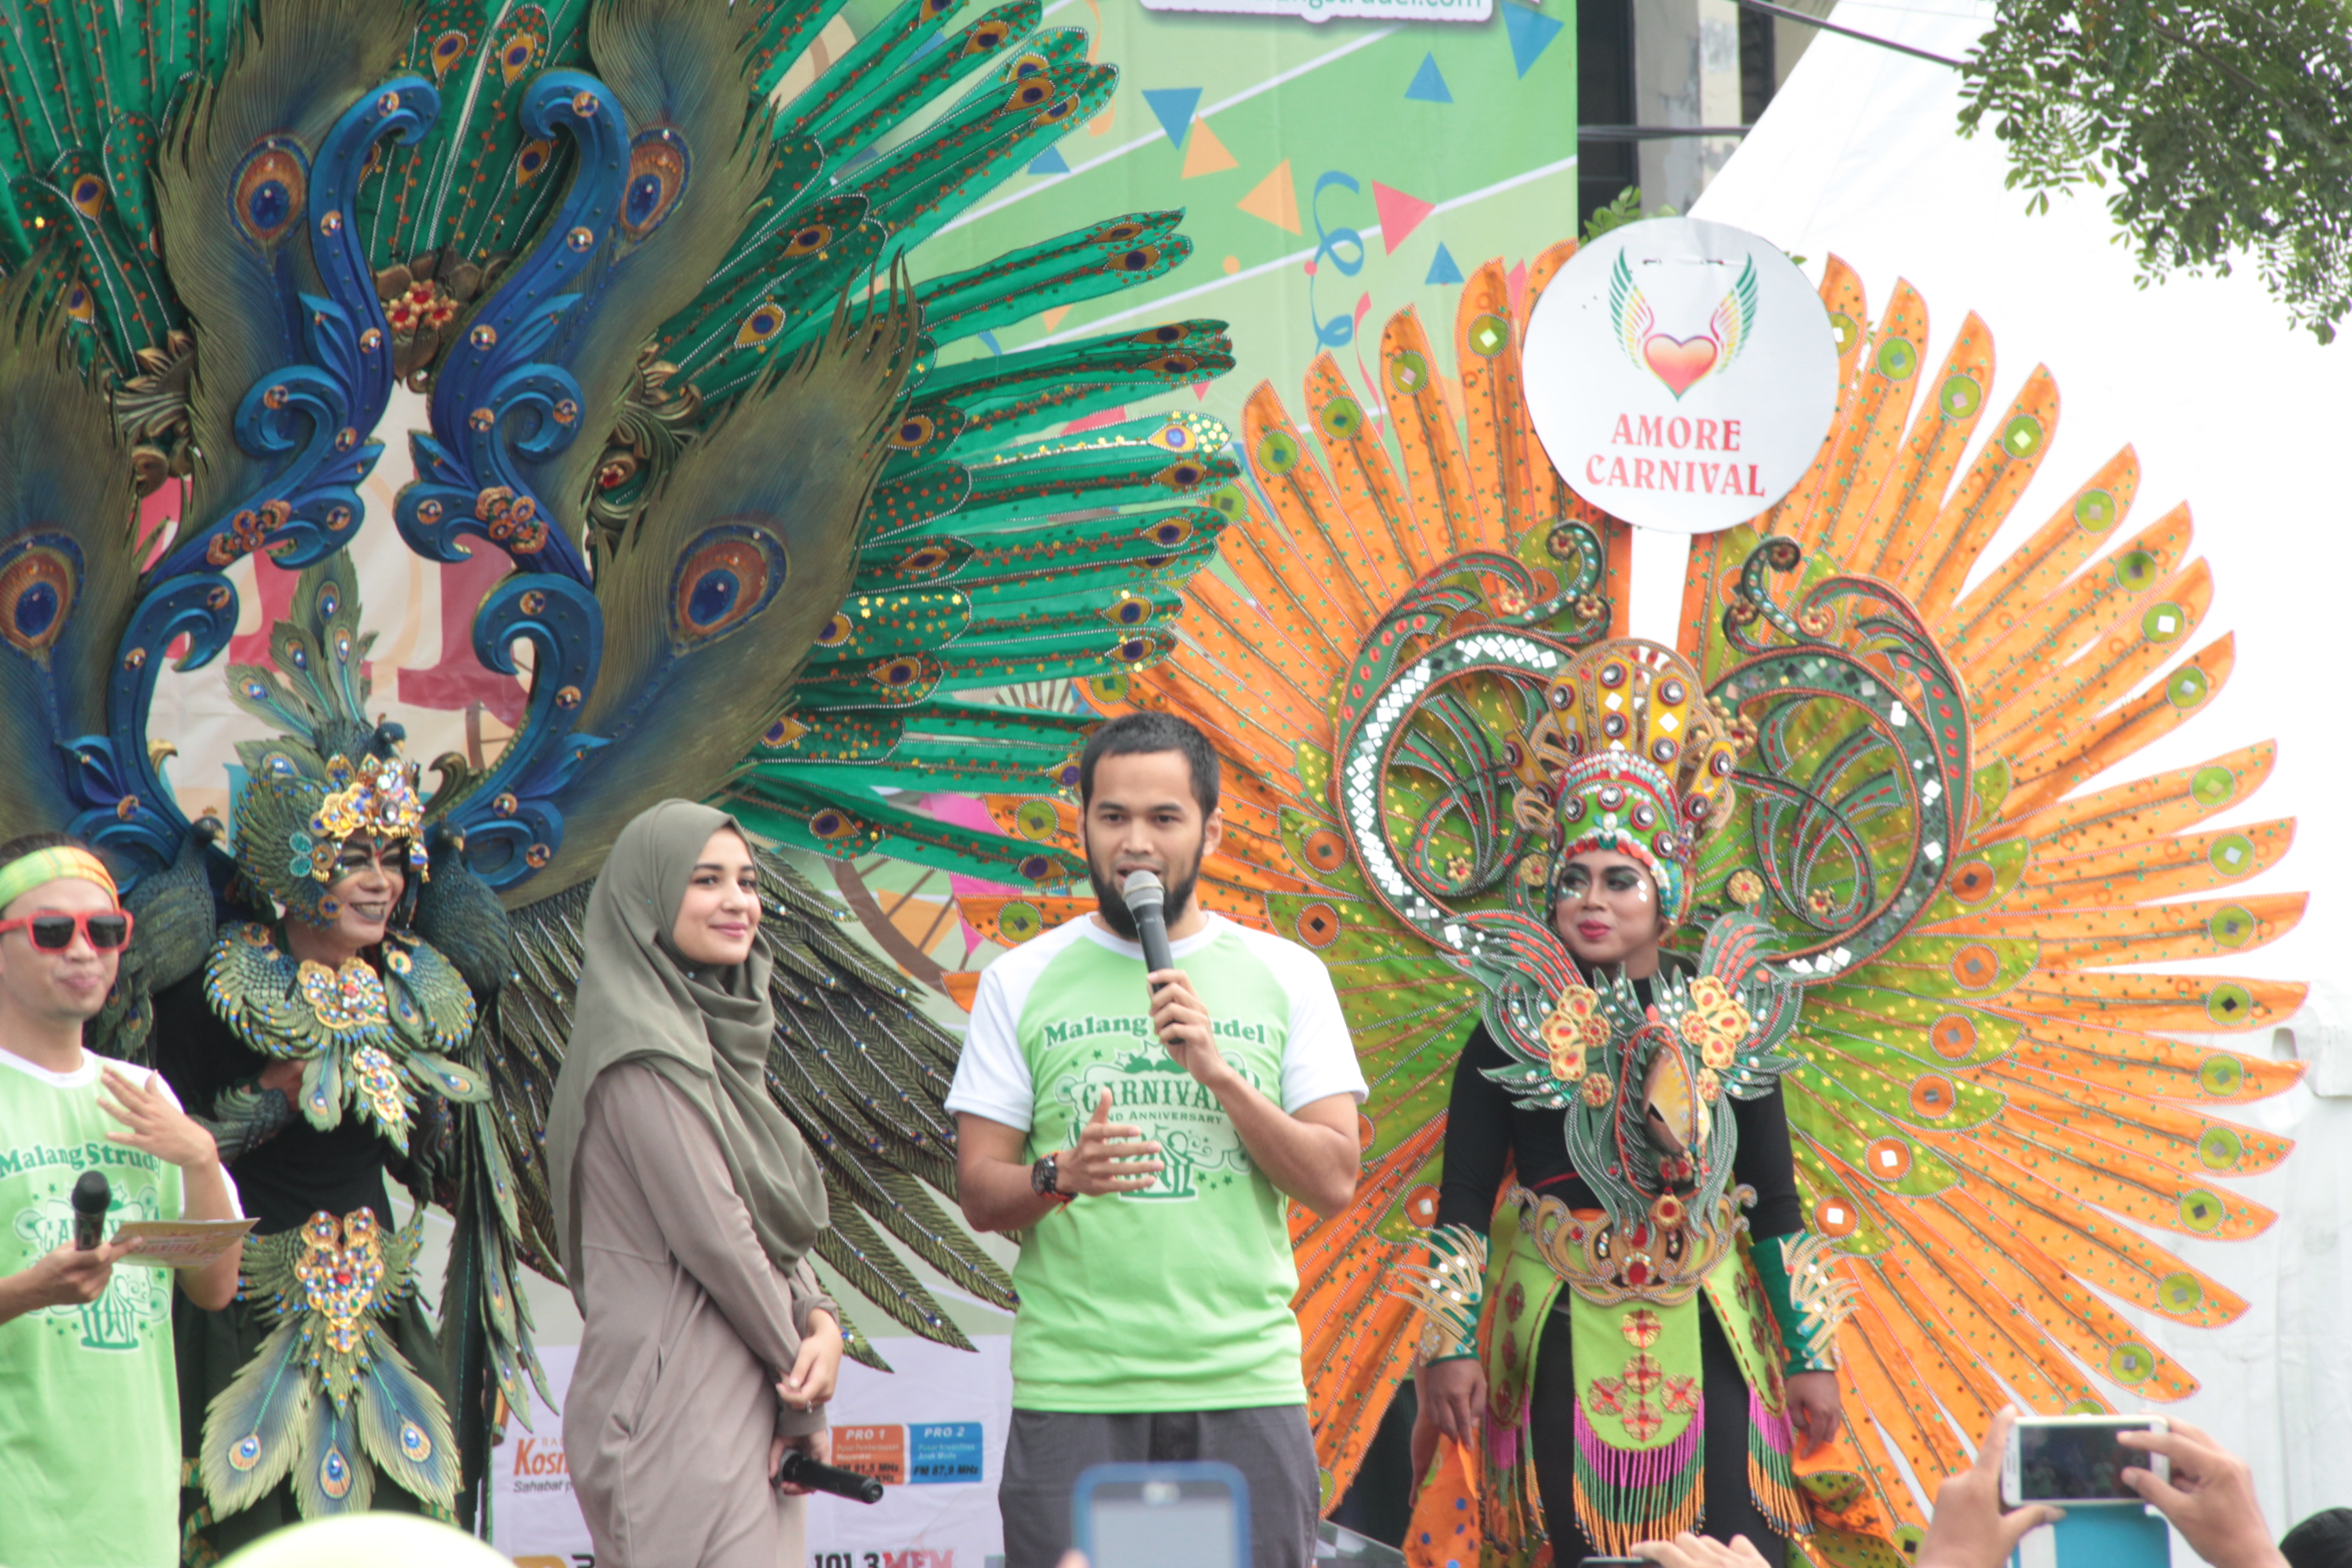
(781, 533)
(1907, 902)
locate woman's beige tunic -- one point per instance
(687, 1325)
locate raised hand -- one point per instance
(2209, 1499)
(1968, 1528)
(156, 1125)
(1109, 1157)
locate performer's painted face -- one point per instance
(370, 875)
(1607, 912)
(1141, 815)
(719, 915)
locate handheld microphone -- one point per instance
(799, 1470)
(1147, 900)
(92, 1198)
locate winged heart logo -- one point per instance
(1681, 362)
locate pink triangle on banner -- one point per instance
(1400, 214)
(1095, 421)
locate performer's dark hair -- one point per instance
(1132, 733)
(2323, 1541)
(25, 844)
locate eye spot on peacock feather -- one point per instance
(1129, 610)
(80, 307)
(2201, 1212)
(1181, 476)
(1037, 868)
(2135, 570)
(1933, 1098)
(1119, 234)
(1898, 359)
(1017, 921)
(1834, 1217)
(1278, 452)
(2187, 687)
(448, 49)
(2095, 511)
(2181, 1292)
(1142, 258)
(2021, 437)
(531, 162)
(1169, 532)
(2164, 623)
(1134, 651)
(1953, 1036)
(727, 576)
(2220, 1149)
(1342, 418)
(1975, 966)
(1844, 328)
(1318, 925)
(1408, 372)
(88, 194)
(984, 38)
(1971, 881)
(2233, 855)
(2212, 784)
(1170, 334)
(1888, 1159)
(924, 561)
(766, 319)
(1489, 335)
(1026, 66)
(835, 631)
(1062, 110)
(1959, 396)
(810, 240)
(335, 1474)
(832, 826)
(2226, 1003)
(914, 432)
(659, 166)
(1030, 94)
(269, 191)
(39, 579)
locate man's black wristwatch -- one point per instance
(1042, 1175)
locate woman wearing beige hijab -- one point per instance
(688, 1203)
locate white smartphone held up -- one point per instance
(2074, 1460)
(1190, 1515)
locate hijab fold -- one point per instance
(707, 1032)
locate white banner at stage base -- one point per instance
(932, 1431)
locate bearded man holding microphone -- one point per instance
(1142, 1125)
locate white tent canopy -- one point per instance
(2235, 412)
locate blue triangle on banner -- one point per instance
(1429, 83)
(1049, 162)
(1173, 107)
(1531, 34)
(1442, 269)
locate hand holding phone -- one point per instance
(2074, 1460)
(1193, 1515)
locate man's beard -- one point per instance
(1111, 897)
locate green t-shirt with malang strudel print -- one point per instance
(89, 1409)
(1176, 1297)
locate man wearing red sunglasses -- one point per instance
(88, 1402)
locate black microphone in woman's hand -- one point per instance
(799, 1470)
(1146, 901)
(92, 1197)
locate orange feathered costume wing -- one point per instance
(1987, 1119)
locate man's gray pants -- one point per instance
(1271, 1446)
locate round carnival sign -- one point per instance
(1681, 374)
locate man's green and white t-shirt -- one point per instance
(89, 1408)
(1176, 1297)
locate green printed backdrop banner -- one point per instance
(1331, 173)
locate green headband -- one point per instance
(21, 877)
